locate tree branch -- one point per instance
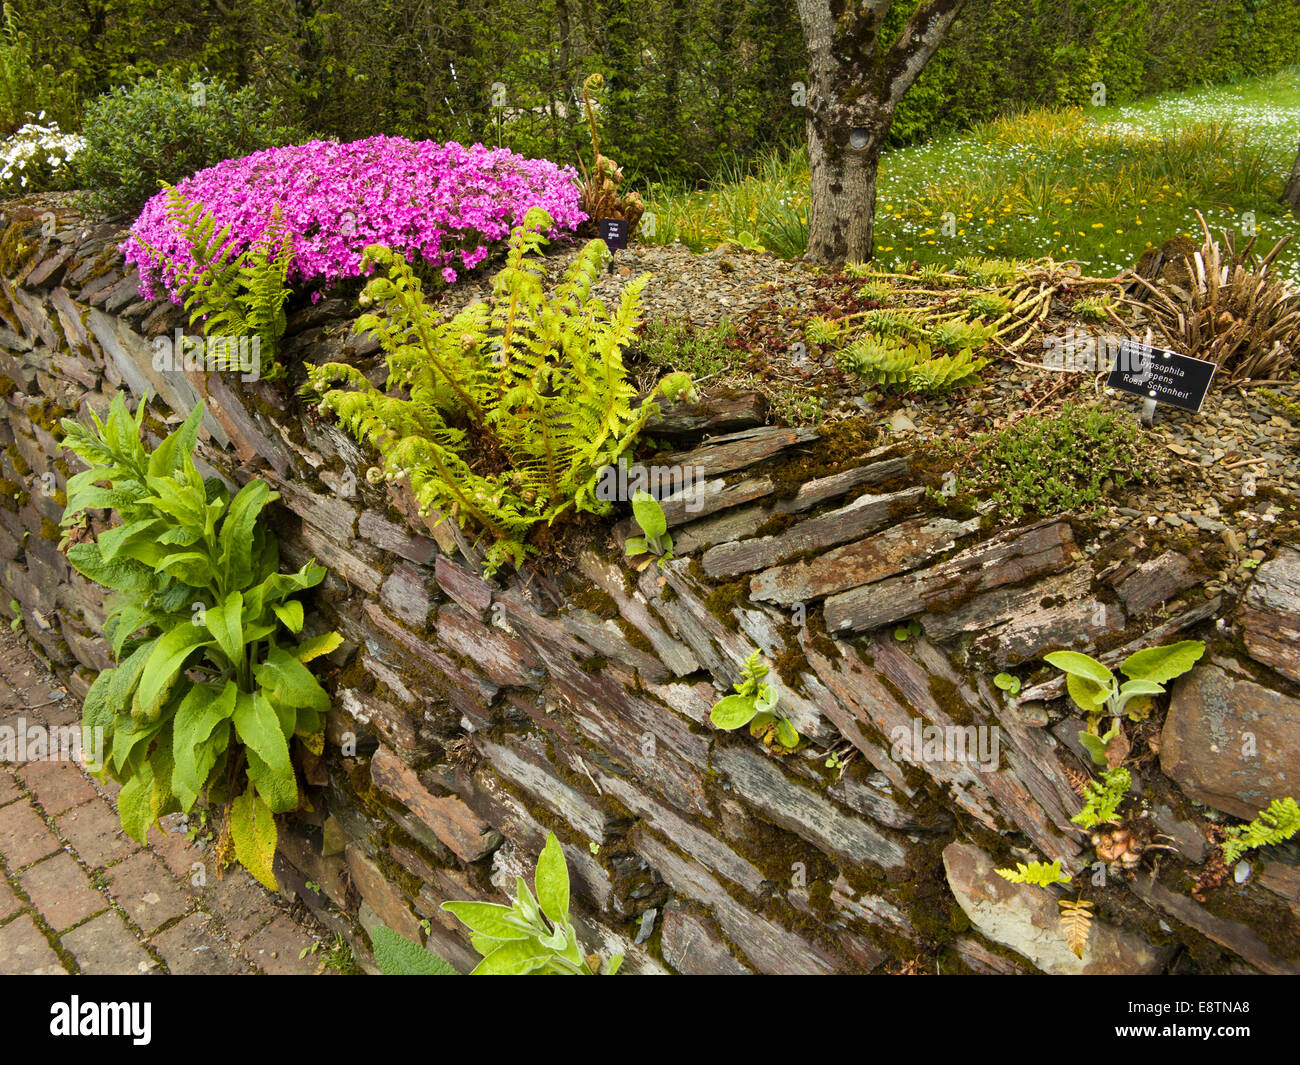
(917, 42)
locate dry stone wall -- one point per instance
(472, 717)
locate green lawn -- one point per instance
(1098, 185)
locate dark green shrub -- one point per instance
(691, 89)
(31, 90)
(163, 129)
(1005, 56)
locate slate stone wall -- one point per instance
(472, 717)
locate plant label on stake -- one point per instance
(1161, 376)
(613, 231)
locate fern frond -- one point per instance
(1276, 824)
(1040, 874)
(232, 295)
(529, 380)
(956, 335)
(892, 322)
(1101, 799)
(1076, 923)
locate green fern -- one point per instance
(822, 331)
(1092, 309)
(990, 271)
(504, 416)
(233, 295)
(1276, 824)
(914, 368)
(859, 270)
(1101, 799)
(1040, 874)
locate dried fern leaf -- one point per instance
(1076, 923)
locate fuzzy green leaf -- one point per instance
(317, 646)
(515, 958)
(235, 541)
(649, 515)
(169, 655)
(269, 767)
(175, 450)
(253, 832)
(733, 711)
(1162, 664)
(120, 574)
(134, 806)
(1081, 665)
(398, 956)
(193, 747)
(286, 682)
(224, 621)
(290, 614)
(552, 879)
(1094, 745)
(487, 919)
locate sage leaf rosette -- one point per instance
(535, 933)
(210, 685)
(754, 704)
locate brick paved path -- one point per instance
(77, 895)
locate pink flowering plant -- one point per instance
(445, 204)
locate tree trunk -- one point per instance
(841, 222)
(1291, 196)
(855, 81)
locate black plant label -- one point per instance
(613, 231)
(1165, 376)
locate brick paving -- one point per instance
(77, 895)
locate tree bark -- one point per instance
(841, 222)
(1291, 195)
(855, 82)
